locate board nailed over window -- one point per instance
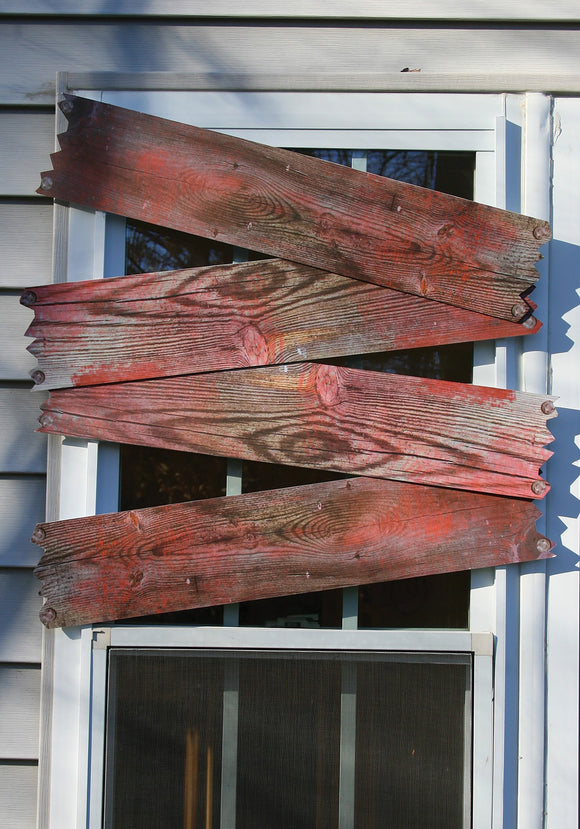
(232, 360)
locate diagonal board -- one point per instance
(295, 207)
(266, 544)
(348, 420)
(230, 316)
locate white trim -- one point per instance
(534, 367)
(512, 10)
(492, 82)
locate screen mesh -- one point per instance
(287, 740)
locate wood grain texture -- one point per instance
(296, 207)
(231, 316)
(321, 416)
(295, 540)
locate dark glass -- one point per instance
(168, 728)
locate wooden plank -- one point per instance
(230, 316)
(21, 633)
(520, 10)
(348, 420)
(25, 243)
(21, 448)
(295, 540)
(18, 792)
(15, 363)
(19, 711)
(300, 208)
(26, 138)
(21, 506)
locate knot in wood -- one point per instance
(255, 346)
(327, 386)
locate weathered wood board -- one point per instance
(327, 417)
(265, 544)
(230, 316)
(296, 207)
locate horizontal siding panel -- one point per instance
(22, 449)
(26, 141)
(22, 502)
(16, 362)
(25, 244)
(331, 9)
(18, 791)
(41, 48)
(19, 711)
(19, 623)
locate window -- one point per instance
(244, 662)
(224, 727)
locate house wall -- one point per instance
(507, 46)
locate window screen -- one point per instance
(287, 740)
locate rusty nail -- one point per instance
(28, 298)
(47, 615)
(46, 183)
(519, 309)
(548, 407)
(543, 545)
(539, 487)
(530, 322)
(541, 232)
(66, 106)
(38, 535)
(38, 376)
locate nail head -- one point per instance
(548, 407)
(539, 487)
(38, 535)
(519, 309)
(28, 298)
(542, 232)
(47, 615)
(543, 545)
(38, 376)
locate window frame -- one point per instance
(84, 474)
(97, 642)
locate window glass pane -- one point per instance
(381, 738)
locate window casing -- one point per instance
(89, 472)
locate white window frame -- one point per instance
(82, 473)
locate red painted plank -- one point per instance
(231, 316)
(264, 544)
(295, 207)
(362, 422)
